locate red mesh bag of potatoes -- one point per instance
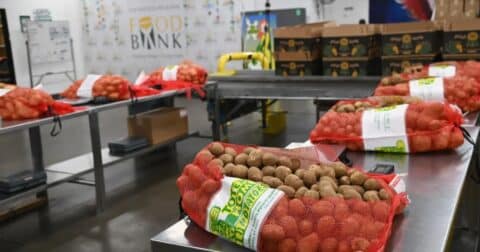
(447, 69)
(266, 202)
(27, 103)
(186, 71)
(186, 76)
(391, 124)
(113, 87)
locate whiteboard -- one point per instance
(49, 42)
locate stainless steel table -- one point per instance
(434, 183)
(230, 97)
(71, 170)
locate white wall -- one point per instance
(70, 10)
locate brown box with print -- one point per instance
(397, 64)
(350, 67)
(160, 125)
(303, 39)
(414, 38)
(350, 41)
(461, 36)
(471, 8)
(296, 64)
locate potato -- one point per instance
(282, 172)
(332, 181)
(300, 173)
(228, 169)
(315, 187)
(285, 161)
(351, 194)
(255, 174)
(358, 188)
(289, 191)
(371, 184)
(248, 150)
(344, 180)
(240, 171)
(327, 171)
(383, 194)
(350, 171)
(312, 194)
(371, 196)
(218, 161)
(269, 159)
(272, 181)
(300, 192)
(340, 169)
(241, 159)
(339, 195)
(309, 178)
(216, 148)
(358, 178)
(343, 188)
(295, 164)
(226, 158)
(230, 151)
(317, 169)
(327, 191)
(255, 158)
(293, 181)
(268, 171)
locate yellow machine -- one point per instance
(225, 58)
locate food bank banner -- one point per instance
(126, 37)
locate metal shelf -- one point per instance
(78, 166)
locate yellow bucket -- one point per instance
(276, 122)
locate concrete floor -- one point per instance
(142, 196)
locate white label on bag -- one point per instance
(429, 89)
(142, 77)
(170, 73)
(384, 129)
(4, 91)
(442, 71)
(398, 184)
(238, 210)
(85, 89)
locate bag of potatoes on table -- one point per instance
(457, 83)
(391, 124)
(269, 202)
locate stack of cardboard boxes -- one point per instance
(451, 9)
(408, 44)
(350, 50)
(461, 39)
(298, 49)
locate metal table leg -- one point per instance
(97, 161)
(37, 153)
(264, 114)
(216, 117)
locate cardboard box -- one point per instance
(455, 8)
(471, 8)
(160, 125)
(296, 64)
(300, 38)
(350, 67)
(461, 57)
(461, 36)
(397, 64)
(350, 41)
(441, 9)
(414, 38)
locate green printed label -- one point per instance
(384, 129)
(238, 210)
(441, 71)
